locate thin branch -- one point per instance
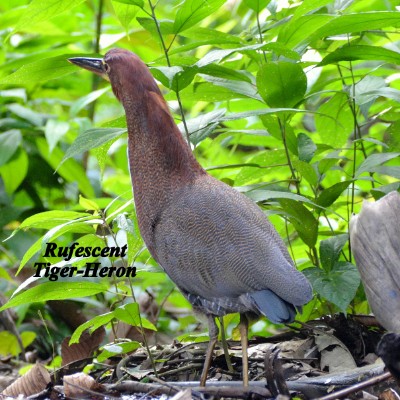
(165, 49)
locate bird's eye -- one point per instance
(106, 67)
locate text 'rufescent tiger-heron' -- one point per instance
(213, 242)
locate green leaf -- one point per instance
(54, 131)
(215, 56)
(306, 6)
(51, 219)
(85, 100)
(373, 161)
(43, 10)
(366, 90)
(339, 285)
(40, 71)
(9, 344)
(296, 32)
(14, 172)
(257, 5)
(9, 142)
(91, 139)
(307, 171)
(139, 3)
(115, 349)
(88, 204)
(203, 125)
(125, 12)
(244, 88)
(306, 147)
(166, 26)
(281, 83)
(130, 314)
(27, 114)
(92, 325)
(329, 195)
(335, 121)
(302, 219)
(358, 22)
(194, 11)
(361, 52)
(329, 250)
(69, 170)
(55, 291)
(175, 78)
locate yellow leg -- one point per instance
(243, 327)
(213, 332)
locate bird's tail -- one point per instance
(272, 306)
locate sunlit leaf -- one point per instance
(282, 84)
(55, 291)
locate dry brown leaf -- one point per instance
(80, 385)
(34, 381)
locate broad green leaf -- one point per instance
(55, 291)
(50, 219)
(329, 195)
(306, 147)
(263, 195)
(329, 250)
(302, 219)
(115, 349)
(373, 161)
(91, 139)
(79, 104)
(363, 89)
(9, 142)
(335, 121)
(41, 71)
(215, 56)
(194, 11)
(9, 345)
(359, 22)
(243, 88)
(88, 204)
(203, 125)
(260, 164)
(388, 92)
(306, 6)
(298, 30)
(175, 78)
(361, 52)
(390, 171)
(125, 13)
(307, 171)
(14, 172)
(130, 314)
(166, 26)
(339, 285)
(54, 131)
(139, 3)
(257, 5)
(27, 114)
(92, 325)
(281, 83)
(69, 170)
(43, 10)
(223, 72)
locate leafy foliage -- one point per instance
(297, 107)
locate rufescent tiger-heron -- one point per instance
(213, 242)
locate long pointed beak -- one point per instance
(95, 65)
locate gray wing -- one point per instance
(214, 242)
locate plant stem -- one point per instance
(283, 131)
(165, 49)
(260, 34)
